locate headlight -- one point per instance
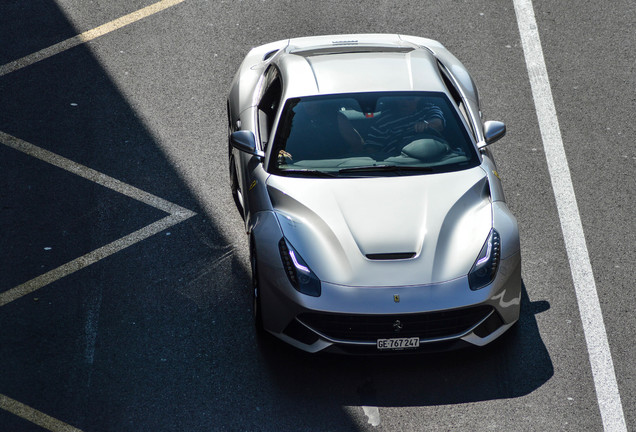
(298, 272)
(485, 267)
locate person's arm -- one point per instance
(436, 124)
(434, 120)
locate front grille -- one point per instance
(428, 325)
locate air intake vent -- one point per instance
(391, 256)
(426, 325)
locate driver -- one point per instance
(404, 121)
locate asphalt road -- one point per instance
(156, 334)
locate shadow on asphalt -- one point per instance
(514, 365)
(158, 337)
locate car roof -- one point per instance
(328, 67)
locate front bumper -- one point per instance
(349, 319)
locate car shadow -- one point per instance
(159, 336)
(513, 366)
(128, 342)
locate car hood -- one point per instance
(341, 226)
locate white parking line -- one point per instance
(87, 36)
(34, 416)
(373, 415)
(88, 259)
(89, 174)
(607, 393)
(176, 215)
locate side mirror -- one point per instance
(245, 141)
(493, 131)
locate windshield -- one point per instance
(370, 134)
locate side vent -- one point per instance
(486, 191)
(391, 256)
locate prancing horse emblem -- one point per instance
(397, 326)
(396, 298)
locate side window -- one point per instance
(457, 99)
(271, 93)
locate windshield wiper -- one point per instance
(385, 168)
(307, 172)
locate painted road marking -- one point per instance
(90, 258)
(89, 174)
(34, 416)
(176, 215)
(607, 393)
(373, 415)
(87, 36)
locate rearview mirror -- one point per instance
(493, 131)
(245, 141)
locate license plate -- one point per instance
(398, 343)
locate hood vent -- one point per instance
(391, 256)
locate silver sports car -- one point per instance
(375, 214)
